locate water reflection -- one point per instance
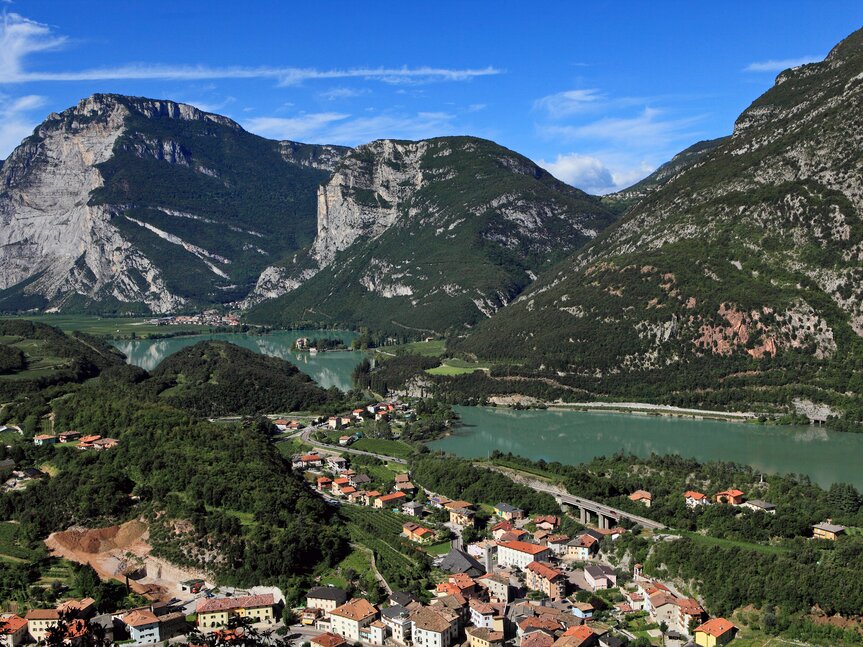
(327, 369)
(576, 437)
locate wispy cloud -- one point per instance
(339, 128)
(651, 127)
(779, 65)
(16, 121)
(21, 37)
(297, 128)
(570, 102)
(334, 94)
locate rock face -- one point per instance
(740, 275)
(122, 204)
(427, 236)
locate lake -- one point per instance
(576, 437)
(327, 369)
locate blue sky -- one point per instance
(599, 93)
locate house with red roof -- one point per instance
(694, 499)
(543, 577)
(217, 612)
(13, 631)
(715, 632)
(520, 553)
(643, 497)
(732, 497)
(390, 500)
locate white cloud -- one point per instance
(334, 94)
(650, 129)
(339, 128)
(15, 121)
(571, 102)
(598, 174)
(20, 37)
(476, 107)
(780, 65)
(296, 128)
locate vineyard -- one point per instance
(403, 565)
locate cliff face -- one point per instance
(428, 235)
(123, 204)
(743, 270)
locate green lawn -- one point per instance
(441, 548)
(358, 560)
(293, 446)
(455, 366)
(381, 446)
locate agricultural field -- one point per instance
(434, 348)
(358, 561)
(13, 548)
(455, 366)
(382, 446)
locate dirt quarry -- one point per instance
(122, 553)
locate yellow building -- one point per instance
(40, 621)
(483, 637)
(715, 632)
(827, 531)
(216, 612)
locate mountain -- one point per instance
(220, 379)
(427, 236)
(130, 204)
(738, 280)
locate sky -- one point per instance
(599, 93)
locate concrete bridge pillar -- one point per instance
(584, 516)
(603, 521)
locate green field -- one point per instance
(381, 446)
(434, 348)
(12, 548)
(358, 560)
(455, 366)
(730, 543)
(111, 326)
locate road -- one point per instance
(306, 436)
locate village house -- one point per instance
(537, 639)
(349, 491)
(323, 483)
(40, 621)
(542, 577)
(302, 462)
(13, 630)
(689, 613)
(497, 585)
(69, 436)
(757, 505)
(827, 531)
(438, 501)
(732, 497)
(352, 619)
(458, 583)
(358, 480)
(546, 522)
(396, 618)
(143, 626)
(390, 500)
(694, 499)
(336, 464)
(578, 636)
(413, 509)
(217, 612)
(344, 441)
(461, 517)
(402, 478)
(328, 639)
(599, 576)
(508, 512)
(458, 561)
(340, 484)
(455, 603)
(405, 486)
(417, 533)
(583, 610)
(482, 637)
(546, 624)
(44, 439)
(516, 534)
(520, 553)
(662, 607)
(337, 422)
(370, 497)
(557, 544)
(325, 598)
(487, 615)
(715, 632)
(643, 497)
(501, 527)
(582, 548)
(434, 627)
(357, 496)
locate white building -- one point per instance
(349, 620)
(434, 627)
(520, 553)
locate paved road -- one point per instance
(306, 436)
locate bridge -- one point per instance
(605, 515)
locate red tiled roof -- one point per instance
(523, 547)
(542, 622)
(544, 570)
(43, 614)
(692, 494)
(582, 632)
(392, 497)
(641, 495)
(310, 458)
(716, 627)
(328, 640)
(731, 493)
(358, 609)
(140, 617)
(241, 602)
(537, 639)
(11, 625)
